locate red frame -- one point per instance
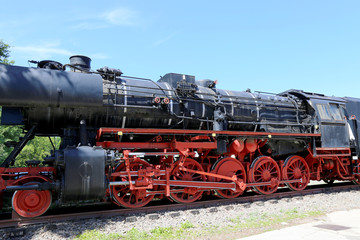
(186, 132)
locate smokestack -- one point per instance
(81, 62)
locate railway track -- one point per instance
(250, 197)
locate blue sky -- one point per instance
(264, 45)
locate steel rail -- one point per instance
(17, 221)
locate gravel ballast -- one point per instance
(201, 219)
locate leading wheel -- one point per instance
(229, 167)
(31, 203)
(295, 168)
(122, 193)
(265, 169)
(187, 194)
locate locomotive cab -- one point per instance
(329, 119)
(333, 127)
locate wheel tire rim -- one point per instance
(31, 203)
(264, 169)
(183, 197)
(296, 168)
(122, 195)
(229, 167)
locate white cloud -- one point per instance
(116, 17)
(121, 16)
(163, 40)
(50, 51)
(44, 51)
(90, 26)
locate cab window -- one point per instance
(323, 111)
(335, 112)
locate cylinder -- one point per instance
(251, 145)
(236, 146)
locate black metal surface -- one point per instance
(333, 128)
(84, 174)
(353, 111)
(334, 136)
(22, 187)
(36, 87)
(206, 83)
(83, 134)
(174, 79)
(11, 116)
(49, 64)
(355, 129)
(82, 62)
(56, 99)
(308, 95)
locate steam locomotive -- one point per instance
(127, 140)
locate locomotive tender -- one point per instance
(128, 140)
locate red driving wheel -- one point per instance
(295, 167)
(265, 169)
(122, 193)
(31, 203)
(187, 194)
(229, 167)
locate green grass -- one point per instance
(95, 235)
(261, 222)
(258, 222)
(134, 234)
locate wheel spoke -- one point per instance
(183, 197)
(123, 195)
(264, 169)
(197, 177)
(296, 168)
(272, 168)
(257, 175)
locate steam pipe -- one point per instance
(22, 187)
(83, 134)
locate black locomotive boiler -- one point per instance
(126, 139)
